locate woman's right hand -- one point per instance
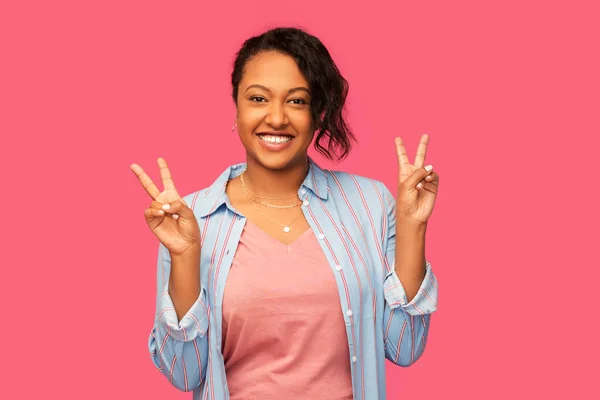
(177, 227)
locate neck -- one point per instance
(266, 182)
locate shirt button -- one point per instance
(321, 236)
(353, 358)
(338, 267)
(349, 312)
(305, 203)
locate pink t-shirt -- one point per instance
(284, 334)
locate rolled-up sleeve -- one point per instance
(424, 302)
(406, 324)
(179, 349)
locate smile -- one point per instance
(275, 139)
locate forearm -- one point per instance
(410, 255)
(184, 280)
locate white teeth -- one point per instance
(275, 139)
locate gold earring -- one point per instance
(234, 126)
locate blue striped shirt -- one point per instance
(354, 218)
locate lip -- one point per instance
(274, 146)
(275, 133)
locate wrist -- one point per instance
(410, 224)
(191, 251)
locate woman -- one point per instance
(281, 279)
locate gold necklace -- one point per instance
(246, 191)
(286, 227)
(273, 205)
(260, 197)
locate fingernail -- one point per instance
(420, 185)
(429, 168)
(166, 206)
(161, 212)
(175, 216)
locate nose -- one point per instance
(276, 116)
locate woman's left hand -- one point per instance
(417, 187)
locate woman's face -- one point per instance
(273, 111)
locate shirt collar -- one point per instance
(215, 196)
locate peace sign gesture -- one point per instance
(417, 185)
(169, 218)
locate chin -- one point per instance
(277, 161)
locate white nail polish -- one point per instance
(429, 168)
(166, 206)
(420, 185)
(175, 216)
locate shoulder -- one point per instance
(359, 189)
(342, 181)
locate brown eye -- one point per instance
(301, 101)
(256, 98)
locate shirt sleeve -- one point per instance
(406, 324)
(179, 349)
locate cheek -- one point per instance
(302, 122)
(250, 118)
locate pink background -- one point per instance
(508, 92)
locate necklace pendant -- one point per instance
(286, 229)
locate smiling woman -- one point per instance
(282, 279)
(290, 67)
(274, 117)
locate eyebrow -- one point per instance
(266, 89)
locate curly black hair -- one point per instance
(328, 87)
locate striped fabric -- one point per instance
(354, 219)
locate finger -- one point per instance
(427, 187)
(157, 205)
(170, 211)
(402, 157)
(430, 183)
(153, 213)
(147, 183)
(421, 151)
(174, 206)
(418, 175)
(177, 208)
(165, 174)
(432, 177)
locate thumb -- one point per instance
(178, 208)
(418, 175)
